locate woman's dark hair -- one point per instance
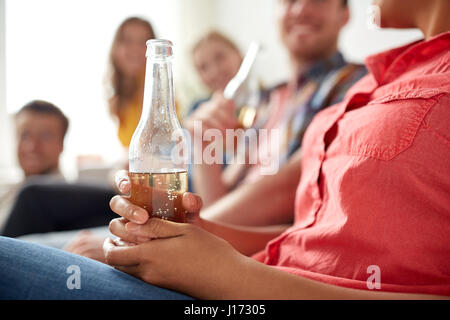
(122, 93)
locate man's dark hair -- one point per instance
(47, 108)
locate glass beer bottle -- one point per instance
(244, 88)
(158, 181)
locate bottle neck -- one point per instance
(159, 104)
(154, 146)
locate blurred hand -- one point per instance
(135, 215)
(217, 113)
(88, 245)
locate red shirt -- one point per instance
(375, 185)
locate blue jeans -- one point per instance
(31, 271)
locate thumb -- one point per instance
(122, 181)
(192, 203)
(155, 228)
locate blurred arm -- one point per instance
(268, 201)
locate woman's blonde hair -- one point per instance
(214, 36)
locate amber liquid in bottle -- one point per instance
(246, 116)
(160, 194)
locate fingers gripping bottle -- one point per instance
(158, 180)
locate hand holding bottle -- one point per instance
(132, 215)
(217, 113)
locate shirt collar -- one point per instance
(322, 67)
(389, 64)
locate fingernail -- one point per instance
(123, 184)
(138, 216)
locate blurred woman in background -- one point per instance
(217, 60)
(126, 75)
(125, 83)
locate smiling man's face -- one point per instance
(40, 142)
(310, 28)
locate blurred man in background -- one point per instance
(319, 77)
(44, 201)
(40, 131)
